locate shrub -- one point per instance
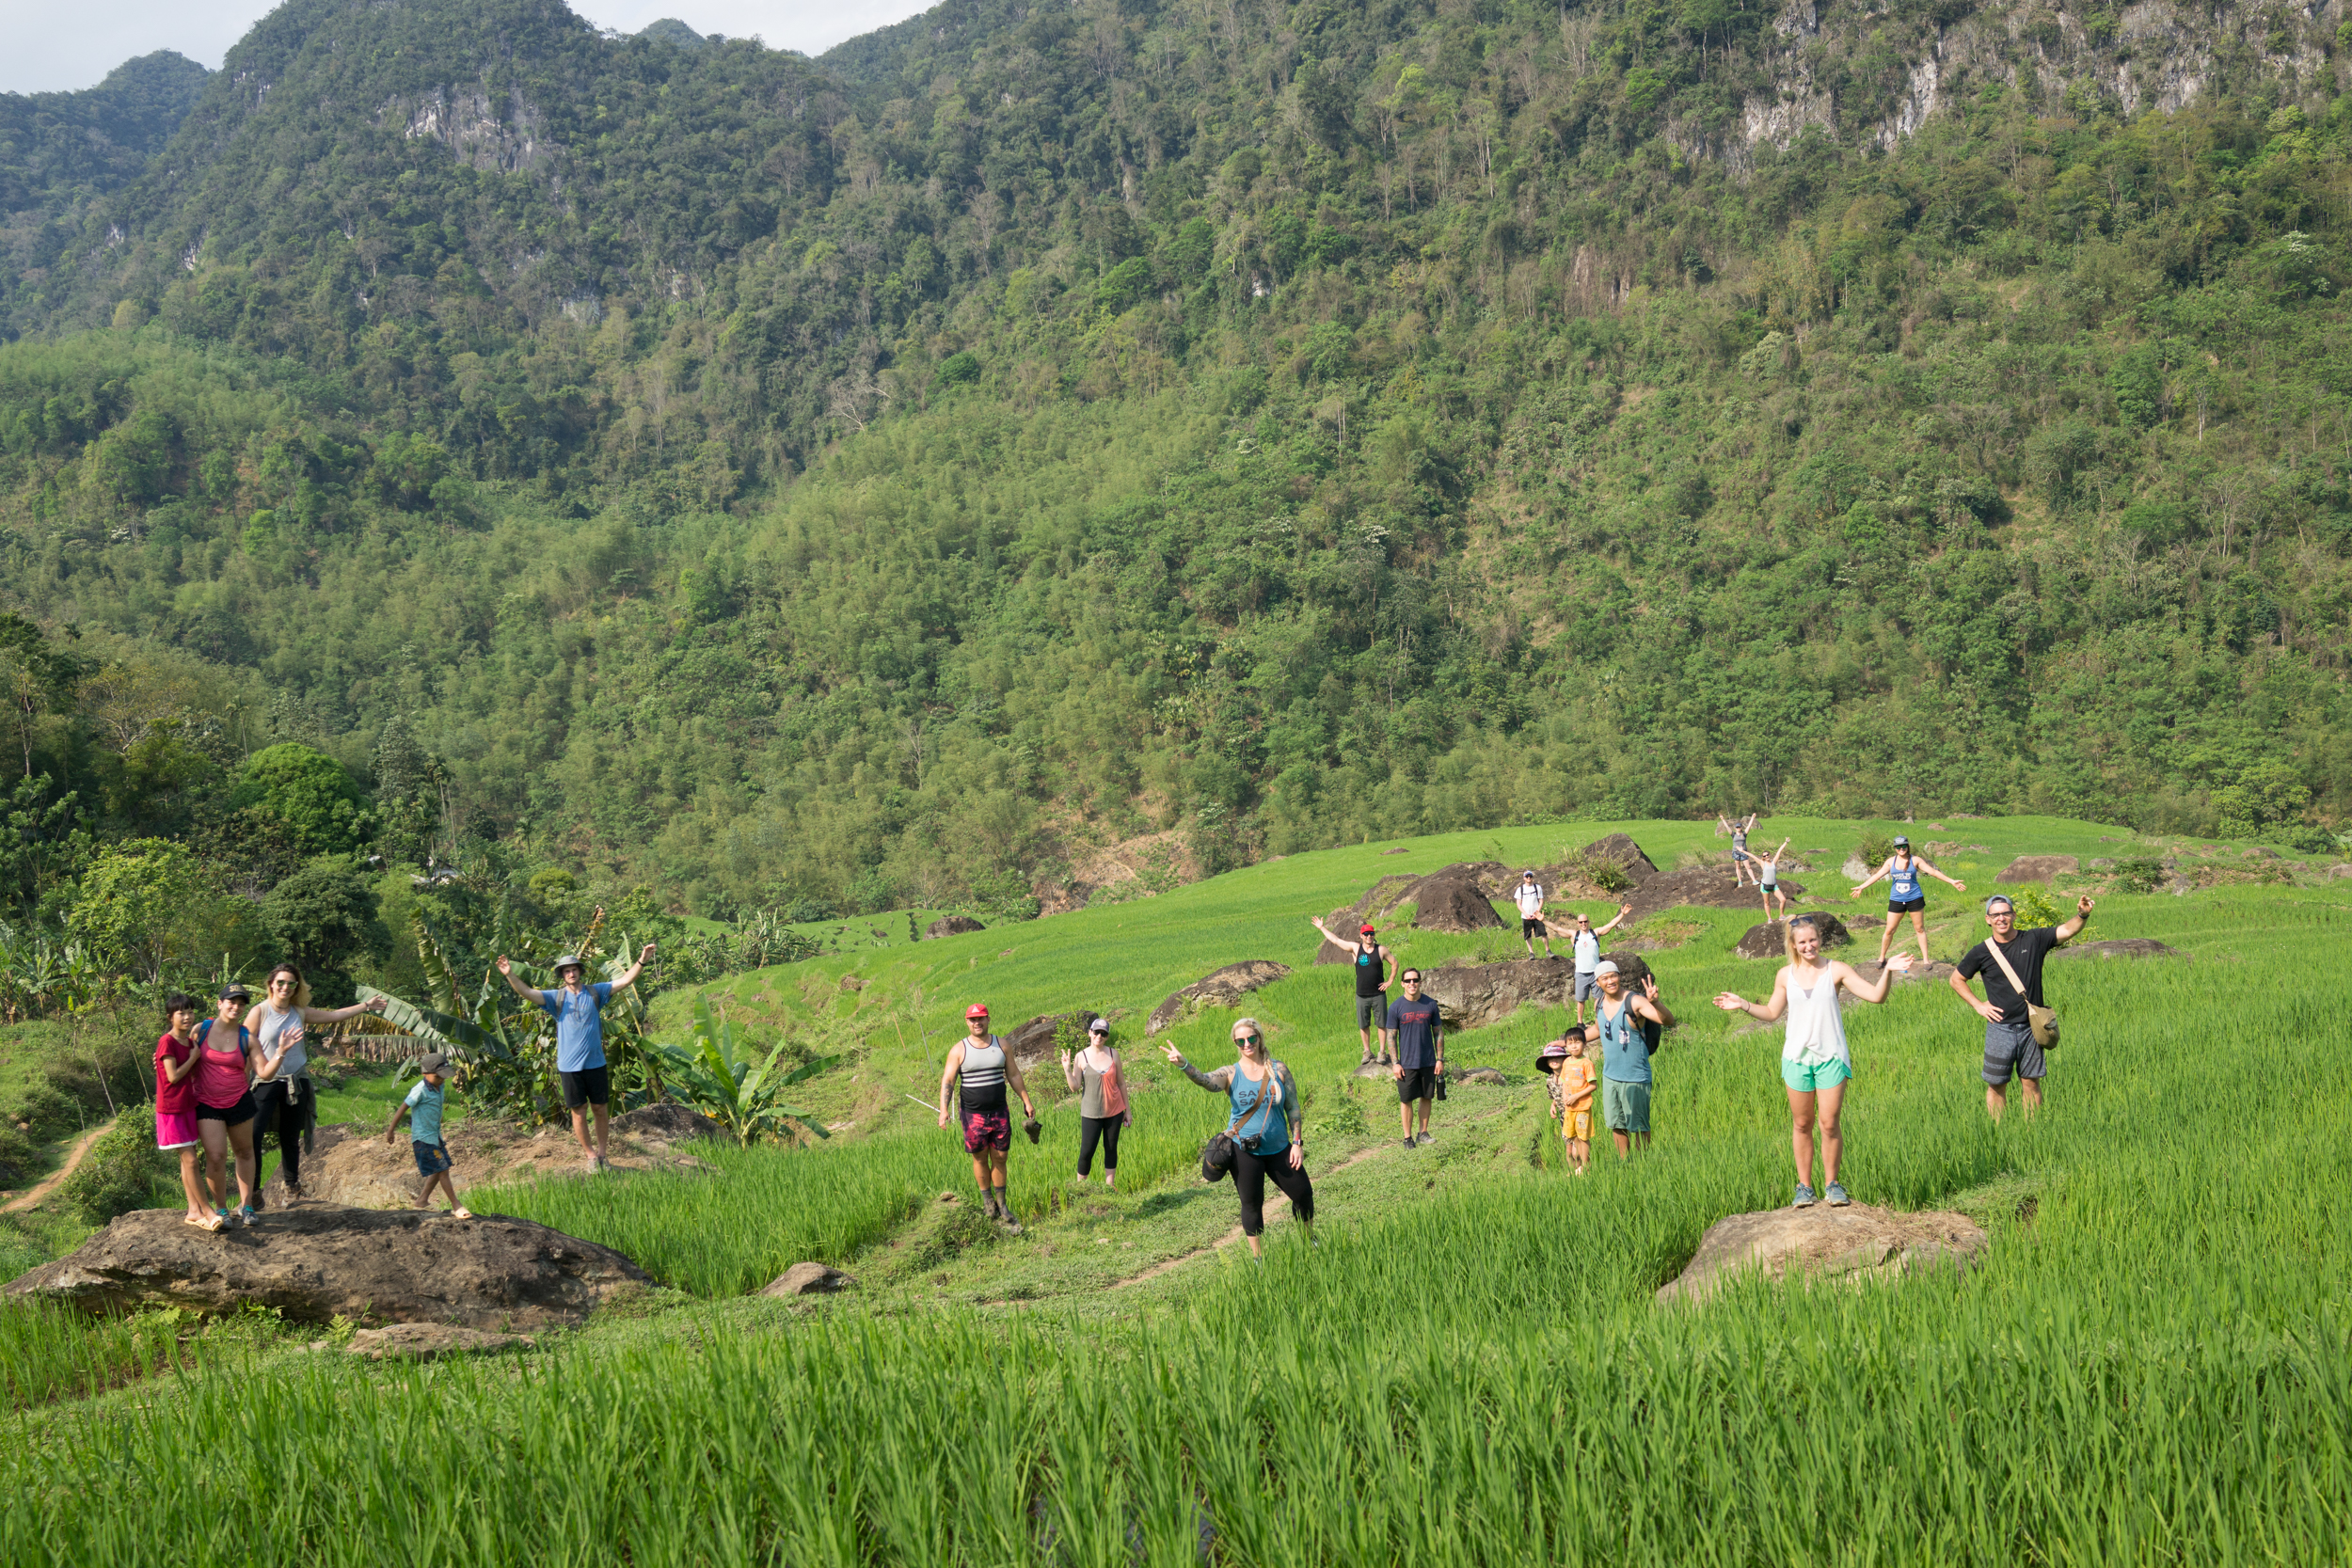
(1877, 848)
(117, 1174)
(2142, 875)
(18, 1156)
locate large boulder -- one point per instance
(1452, 901)
(1622, 852)
(1033, 1042)
(1770, 940)
(2124, 947)
(951, 925)
(2038, 868)
(318, 1263)
(1474, 995)
(1223, 989)
(1854, 1242)
(1709, 887)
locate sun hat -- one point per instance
(977, 1009)
(1606, 967)
(567, 960)
(1550, 1057)
(432, 1061)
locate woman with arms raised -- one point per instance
(1815, 1064)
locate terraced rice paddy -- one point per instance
(2153, 1364)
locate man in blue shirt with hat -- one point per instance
(578, 1013)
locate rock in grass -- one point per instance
(320, 1263)
(951, 925)
(1477, 1075)
(1225, 988)
(2038, 868)
(1854, 1242)
(667, 1120)
(1770, 940)
(1619, 850)
(2122, 947)
(1706, 887)
(1453, 901)
(1033, 1042)
(808, 1279)
(1474, 995)
(426, 1341)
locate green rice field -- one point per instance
(2152, 1364)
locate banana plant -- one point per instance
(722, 1082)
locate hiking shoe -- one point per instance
(1428, 1138)
(1408, 1140)
(1837, 1195)
(246, 1214)
(1804, 1197)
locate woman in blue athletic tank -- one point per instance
(1905, 894)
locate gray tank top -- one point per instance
(980, 1085)
(272, 1030)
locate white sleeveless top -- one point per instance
(1817, 1030)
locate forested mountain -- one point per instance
(877, 480)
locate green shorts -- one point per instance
(1625, 1107)
(1804, 1078)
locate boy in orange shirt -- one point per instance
(1572, 1086)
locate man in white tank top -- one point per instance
(1815, 1064)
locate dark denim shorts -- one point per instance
(431, 1159)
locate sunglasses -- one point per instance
(1249, 1039)
(1412, 980)
(1097, 1031)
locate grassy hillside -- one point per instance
(2147, 1364)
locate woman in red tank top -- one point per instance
(224, 1103)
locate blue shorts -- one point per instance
(431, 1159)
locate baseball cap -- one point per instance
(432, 1061)
(1366, 930)
(1100, 1026)
(1902, 843)
(1998, 899)
(977, 1009)
(235, 989)
(1526, 873)
(1606, 967)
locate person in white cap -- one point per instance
(1628, 1028)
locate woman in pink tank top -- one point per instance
(224, 1103)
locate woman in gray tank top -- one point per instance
(281, 1067)
(1094, 1074)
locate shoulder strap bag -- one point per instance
(1217, 1155)
(2040, 1020)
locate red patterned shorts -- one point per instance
(987, 1130)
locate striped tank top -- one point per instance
(980, 1084)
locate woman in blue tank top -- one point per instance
(1269, 1145)
(1905, 894)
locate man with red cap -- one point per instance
(978, 1069)
(1374, 969)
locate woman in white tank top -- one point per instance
(1815, 1063)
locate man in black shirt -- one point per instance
(2008, 1043)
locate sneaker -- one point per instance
(1408, 1140)
(1804, 1197)
(1837, 1195)
(246, 1214)
(1427, 1138)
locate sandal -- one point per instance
(461, 1213)
(207, 1223)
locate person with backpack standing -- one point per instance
(1587, 945)
(2011, 962)
(1093, 1075)
(1814, 1062)
(1269, 1144)
(1528, 896)
(578, 1013)
(282, 1077)
(1629, 1029)
(978, 1069)
(1905, 894)
(1373, 969)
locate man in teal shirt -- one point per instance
(578, 1013)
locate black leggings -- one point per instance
(279, 1113)
(1250, 1174)
(1091, 1129)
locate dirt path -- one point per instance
(1273, 1202)
(48, 1184)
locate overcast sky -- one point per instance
(52, 47)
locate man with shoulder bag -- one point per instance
(2019, 1026)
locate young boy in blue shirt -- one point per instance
(424, 1110)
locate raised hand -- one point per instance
(646, 957)
(1173, 1054)
(1649, 987)
(506, 965)
(1960, 887)
(375, 1004)
(1729, 1002)
(2084, 905)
